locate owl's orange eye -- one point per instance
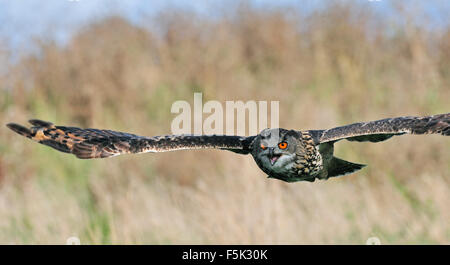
(263, 147)
(282, 145)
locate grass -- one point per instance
(324, 69)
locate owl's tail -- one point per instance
(339, 167)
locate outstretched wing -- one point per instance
(94, 143)
(380, 130)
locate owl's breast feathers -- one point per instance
(308, 161)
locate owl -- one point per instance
(287, 155)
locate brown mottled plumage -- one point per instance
(283, 154)
(94, 143)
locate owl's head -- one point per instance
(275, 150)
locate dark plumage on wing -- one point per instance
(95, 143)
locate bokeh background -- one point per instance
(121, 64)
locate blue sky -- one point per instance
(58, 19)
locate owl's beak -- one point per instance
(273, 157)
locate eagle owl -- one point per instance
(288, 155)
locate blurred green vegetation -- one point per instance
(340, 65)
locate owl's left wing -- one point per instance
(380, 130)
(95, 143)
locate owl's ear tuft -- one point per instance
(293, 133)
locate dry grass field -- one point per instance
(339, 65)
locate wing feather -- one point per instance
(380, 130)
(95, 143)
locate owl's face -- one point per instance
(275, 151)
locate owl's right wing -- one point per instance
(95, 143)
(380, 130)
